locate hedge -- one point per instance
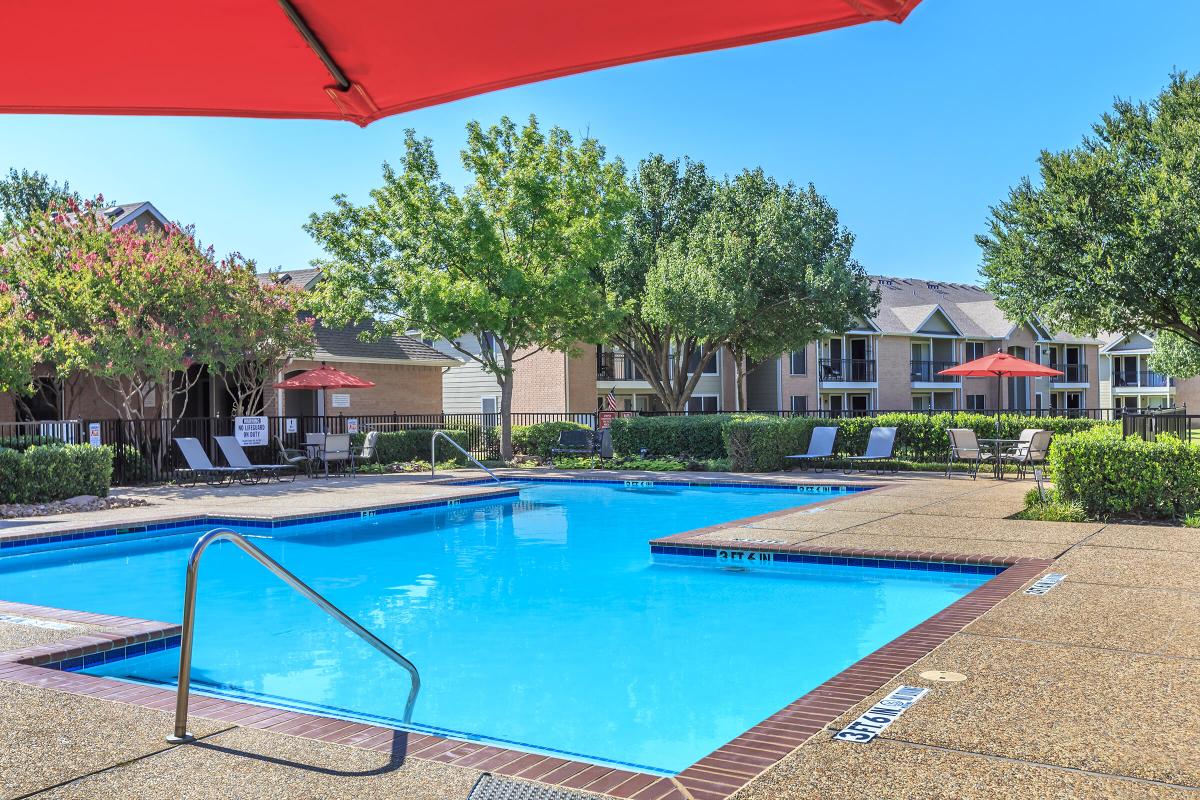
(412, 444)
(696, 436)
(45, 473)
(759, 443)
(539, 439)
(1109, 475)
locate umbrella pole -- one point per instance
(999, 402)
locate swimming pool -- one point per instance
(541, 621)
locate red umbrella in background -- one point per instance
(1002, 365)
(322, 378)
(360, 60)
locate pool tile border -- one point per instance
(14, 540)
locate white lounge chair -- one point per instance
(881, 449)
(820, 448)
(1033, 453)
(198, 466)
(235, 456)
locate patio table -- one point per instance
(998, 463)
(313, 451)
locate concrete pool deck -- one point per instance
(1086, 691)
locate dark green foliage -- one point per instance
(26, 442)
(45, 473)
(1109, 475)
(412, 445)
(539, 439)
(682, 437)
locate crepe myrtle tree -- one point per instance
(25, 196)
(1109, 239)
(777, 271)
(509, 260)
(18, 348)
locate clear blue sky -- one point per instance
(911, 130)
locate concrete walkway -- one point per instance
(1087, 691)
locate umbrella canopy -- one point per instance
(360, 60)
(324, 377)
(1001, 364)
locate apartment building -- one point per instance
(893, 360)
(1127, 382)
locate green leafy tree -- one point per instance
(18, 349)
(781, 270)
(1110, 239)
(25, 196)
(509, 260)
(1173, 355)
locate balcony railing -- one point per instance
(1145, 379)
(847, 370)
(1071, 373)
(616, 367)
(927, 371)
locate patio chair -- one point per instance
(964, 446)
(335, 451)
(198, 466)
(367, 452)
(820, 448)
(1035, 453)
(1023, 441)
(881, 450)
(293, 457)
(576, 442)
(235, 456)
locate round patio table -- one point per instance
(998, 463)
(313, 451)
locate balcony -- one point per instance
(1141, 379)
(1071, 373)
(847, 370)
(616, 367)
(927, 371)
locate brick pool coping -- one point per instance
(716, 776)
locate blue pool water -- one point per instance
(542, 622)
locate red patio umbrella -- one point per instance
(322, 378)
(1001, 365)
(359, 60)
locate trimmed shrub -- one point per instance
(697, 436)
(45, 473)
(412, 444)
(759, 443)
(26, 442)
(1109, 475)
(539, 439)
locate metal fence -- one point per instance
(144, 450)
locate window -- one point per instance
(975, 402)
(710, 368)
(973, 351)
(800, 403)
(799, 363)
(920, 402)
(702, 404)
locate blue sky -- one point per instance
(910, 130)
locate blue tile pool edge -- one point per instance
(151, 527)
(782, 557)
(799, 488)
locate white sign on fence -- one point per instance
(339, 400)
(352, 425)
(291, 425)
(94, 434)
(250, 431)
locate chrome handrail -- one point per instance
(181, 733)
(459, 448)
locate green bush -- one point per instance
(1109, 475)
(539, 439)
(45, 473)
(412, 444)
(757, 443)
(697, 436)
(1051, 508)
(26, 442)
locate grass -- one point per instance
(1050, 508)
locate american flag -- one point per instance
(611, 400)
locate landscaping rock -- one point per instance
(83, 502)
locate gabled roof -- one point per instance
(1113, 340)
(299, 278)
(126, 213)
(343, 344)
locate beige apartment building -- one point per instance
(891, 361)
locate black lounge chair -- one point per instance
(820, 448)
(235, 456)
(577, 442)
(293, 457)
(881, 451)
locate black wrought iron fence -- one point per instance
(1149, 424)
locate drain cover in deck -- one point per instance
(491, 787)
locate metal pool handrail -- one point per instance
(181, 733)
(459, 448)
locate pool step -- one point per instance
(493, 787)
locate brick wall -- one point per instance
(801, 385)
(581, 380)
(895, 376)
(539, 382)
(399, 389)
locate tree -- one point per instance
(1175, 356)
(782, 270)
(1110, 240)
(18, 348)
(25, 196)
(746, 264)
(509, 260)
